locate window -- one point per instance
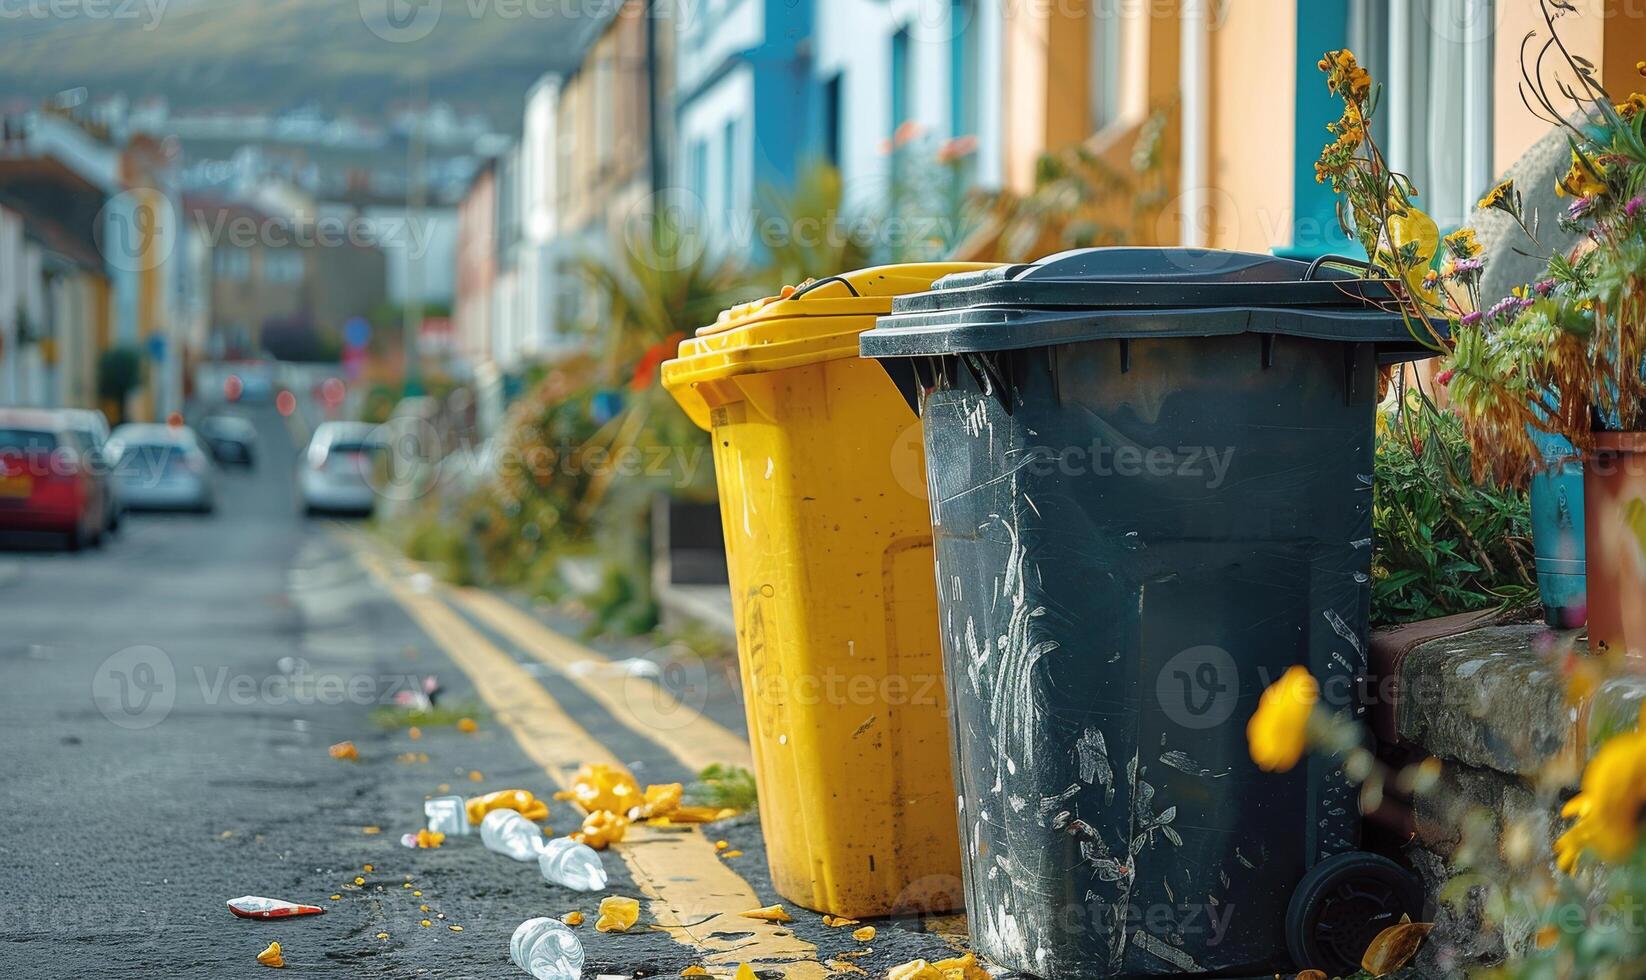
(231, 264)
(831, 118)
(728, 170)
(604, 110)
(700, 173)
(901, 108)
(1104, 63)
(283, 265)
(964, 66)
(1435, 60)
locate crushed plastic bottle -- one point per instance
(447, 815)
(507, 833)
(565, 862)
(546, 949)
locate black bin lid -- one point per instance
(1118, 293)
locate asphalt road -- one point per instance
(166, 704)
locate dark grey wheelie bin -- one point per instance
(1151, 491)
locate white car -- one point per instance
(162, 467)
(337, 473)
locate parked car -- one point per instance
(44, 483)
(231, 439)
(162, 467)
(91, 427)
(336, 473)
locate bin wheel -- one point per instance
(1342, 904)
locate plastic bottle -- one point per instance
(564, 861)
(507, 833)
(547, 950)
(446, 815)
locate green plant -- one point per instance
(724, 786)
(119, 371)
(1444, 544)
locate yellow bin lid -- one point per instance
(807, 324)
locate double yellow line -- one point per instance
(692, 892)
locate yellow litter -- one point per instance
(617, 914)
(864, 934)
(272, 957)
(573, 918)
(344, 750)
(771, 913)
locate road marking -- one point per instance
(694, 894)
(647, 709)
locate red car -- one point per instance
(45, 483)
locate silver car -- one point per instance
(337, 473)
(162, 467)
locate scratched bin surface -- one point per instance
(1135, 533)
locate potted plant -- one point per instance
(1563, 355)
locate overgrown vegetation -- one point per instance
(1444, 544)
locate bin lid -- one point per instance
(1113, 293)
(817, 321)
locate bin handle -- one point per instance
(842, 280)
(1320, 262)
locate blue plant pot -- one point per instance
(1557, 534)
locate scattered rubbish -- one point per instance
(601, 829)
(412, 757)
(1312, 975)
(255, 907)
(597, 786)
(1395, 946)
(628, 667)
(617, 914)
(841, 966)
(359, 880)
(956, 968)
(745, 972)
(382, 935)
(371, 829)
(546, 949)
(864, 934)
(475, 776)
(337, 898)
(659, 800)
(507, 833)
(426, 923)
(423, 839)
(835, 921)
(573, 918)
(447, 815)
(694, 971)
(467, 726)
(272, 957)
(731, 854)
(422, 699)
(414, 733)
(368, 868)
(344, 750)
(771, 913)
(721, 845)
(521, 800)
(571, 864)
(454, 928)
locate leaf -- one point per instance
(1394, 947)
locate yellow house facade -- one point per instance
(1246, 107)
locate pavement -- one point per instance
(166, 704)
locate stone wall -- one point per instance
(1491, 704)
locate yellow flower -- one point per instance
(1463, 243)
(1582, 180)
(1606, 812)
(1278, 732)
(1632, 105)
(1501, 196)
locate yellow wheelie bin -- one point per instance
(828, 537)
